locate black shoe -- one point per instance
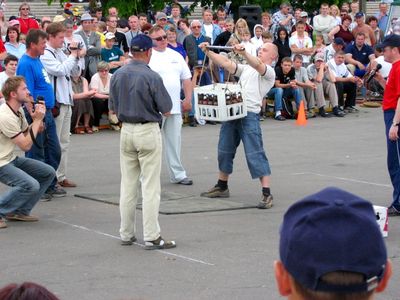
(393, 212)
(185, 181)
(128, 243)
(338, 113)
(192, 122)
(212, 122)
(280, 118)
(323, 113)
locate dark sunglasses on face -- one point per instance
(196, 26)
(160, 38)
(25, 8)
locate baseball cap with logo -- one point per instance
(303, 14)
(332, 231)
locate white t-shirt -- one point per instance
(209, 31)
(339, 70)
(386, 67)
(11, 125)
(254, 85)
(301, 43)
(172, 68)
(329, 52)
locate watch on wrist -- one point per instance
(394, 124)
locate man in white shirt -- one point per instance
(374, 85)
(301, 44)
(256, 79)
(59, 67)
(345, 83)
(10, 64)
(323, 23)
(173, 70)
(209, 28)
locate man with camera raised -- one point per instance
(60, 67)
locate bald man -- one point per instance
(256, 79)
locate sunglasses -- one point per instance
(196, 26)
(25, 8)
(160, 38)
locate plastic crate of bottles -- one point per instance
(219, 102)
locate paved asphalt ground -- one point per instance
(74, 249)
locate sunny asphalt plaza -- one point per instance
(74, 249)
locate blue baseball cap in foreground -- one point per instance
(330, 231)
(141, 43)
(391, 40)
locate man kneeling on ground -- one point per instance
(28, 178)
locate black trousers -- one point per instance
(100, 106)
(350, 89)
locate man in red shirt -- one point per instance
(391, 111)
(25, 22)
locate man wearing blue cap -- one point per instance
(139, 98)
(391, 113)
(331, 247)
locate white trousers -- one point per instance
(172, 127)
(63, 126)
(140, 159)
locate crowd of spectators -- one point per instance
(336, 48)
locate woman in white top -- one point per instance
(12, 45)
(334, 12)
(101, 83)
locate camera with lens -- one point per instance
(79, 47)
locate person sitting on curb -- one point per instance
(345, 82)
(285, 86)
(331, 247)
(305, 85)
(324, 79)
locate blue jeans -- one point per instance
(28, 179)
(393, 159)
(50, 153)
(280, 93)
(248, 130)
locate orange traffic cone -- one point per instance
(301, 115)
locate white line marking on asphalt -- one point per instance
(344, 178)
(141, 245)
